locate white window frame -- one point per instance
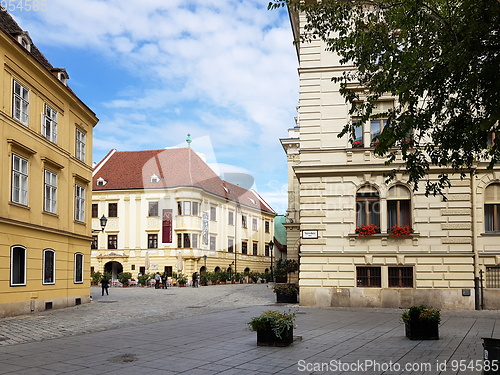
(49, 124)
(19, 176)
(75, 271)
(80, 145)
(12, 266)
(53, 267)
(187, 208)
(20, 103)
(50, 192)
(79, 203)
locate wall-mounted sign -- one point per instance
(310, 234)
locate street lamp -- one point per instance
(271, 245)
(103, 221)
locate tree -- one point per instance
(439, 58)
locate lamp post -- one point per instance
(103, 221)
(271, 245)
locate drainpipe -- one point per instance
(474, 239)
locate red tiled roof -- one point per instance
(177, 167)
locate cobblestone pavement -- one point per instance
(131, 306)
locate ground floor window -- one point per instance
(368, 277)
(492, 277)
(49, 267)
(400, 277)
(17, 266)
(78, 268)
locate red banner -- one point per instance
(167, 226)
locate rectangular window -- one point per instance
(195, 208)
(179, 240)
(80, 145)
(168, 270)
(79, 203)
(231, 218)
(93, 244)
(230, 246)
(153, 209)
(49, 267)
(95, 210)
(187, 240)
(213, 214)
(492, 277)
(195, 240)
(50, 192)
(152, 241)
(179, 208)
(266, 250)
(400, 277)
(17, 266)
(19, 180)
(243, 221)
(254, 224)
(78, 268)
(368, 277)
(267, 226)
(113, 210)
(254, 249)
(187, 208)
(112, 241)
(132, 267)
(21, 103)
(244, 248)
(358, 133)
(49, 124)
(212, 243)
(376, 127)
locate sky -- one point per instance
(224, 71)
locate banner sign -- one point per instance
(204, 230)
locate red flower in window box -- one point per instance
(367, 230)
(356, 144)
(401, 232)
(375, 143)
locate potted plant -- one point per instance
(222, 277)
(286, 293)
(203, 278)
(213, 277)
(181, 279)
(124, 278)
(367, 230)
(273, 327)
(400, 232)
(422, 323)
(356, 144)
(96, 277)
(143, 279)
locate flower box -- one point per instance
(267, 337)
(422, 330)
(357, 144)
(367, 230)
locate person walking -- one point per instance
(195, 280)
(105, 285)
(164, 280)
(157, 280)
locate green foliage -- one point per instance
(174, 275)
(203, 277)
(181, 278)
(143, 279)
(96, 277)
(124, 277)
(439, 59)
(107, 275)
(278, 321)
(223, 275)
(289, 289)
(421, 313)
(212, 276)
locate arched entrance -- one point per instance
(114, 268)
(202, 269)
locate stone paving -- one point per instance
(204, 331)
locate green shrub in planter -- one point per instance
(181, 278)
(124, 277)
(96, 277)
(143, 279)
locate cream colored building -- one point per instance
(167, 210)
(45, 190)
(334, 187)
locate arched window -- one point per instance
(492, 208)
(49, 266)
(17, 266)
(398, 207)
(367, 206)
(78, 268)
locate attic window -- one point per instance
(251, 200)
(101, 181)
(154, 179)
(25, 41)
(63, 77)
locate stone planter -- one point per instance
(286, 298)
(181, 285)
(267, 337)
(422, 330)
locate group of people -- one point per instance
(161, 278)
(158, 279)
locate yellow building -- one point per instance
(167, 210)
(45, 190)
(335, 186)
